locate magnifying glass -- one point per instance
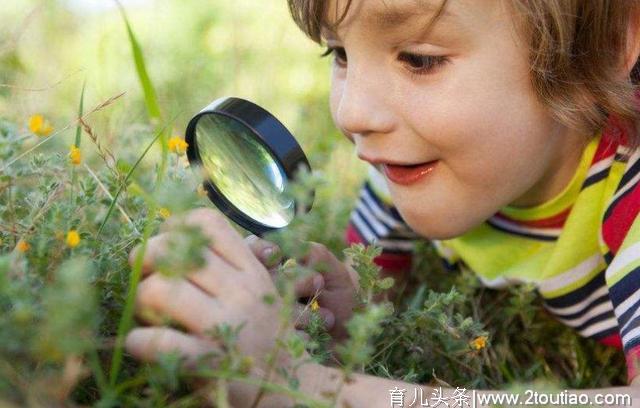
(249, 159)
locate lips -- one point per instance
(408, 174)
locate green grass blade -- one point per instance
(98, 374)
(150, 98)
(74, 173)
(126, 179)
(126, 320)
(80, 113)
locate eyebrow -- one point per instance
(393, 16)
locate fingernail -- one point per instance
(329, 318)
(318, 282)
(267, 252)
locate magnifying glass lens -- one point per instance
(244, 171)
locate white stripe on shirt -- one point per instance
(572, 275)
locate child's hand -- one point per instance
(229, 288)
(335, 284)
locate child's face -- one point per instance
(472, 108)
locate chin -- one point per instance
(438, 227)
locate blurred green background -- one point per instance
(195, 50)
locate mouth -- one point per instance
(409, 174)
(403, 173)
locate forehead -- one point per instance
(384, 14)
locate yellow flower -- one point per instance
(178, 145)
(164, 212)
(73, 238)
(479, 342)
(39, 126)
(75, 155)
(23, 246)
(315, 306)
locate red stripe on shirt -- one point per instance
(616, 226)
(555, 221)
(388, 261)
(352, 236)
(608, 143)
(612, 340)
(394, 262)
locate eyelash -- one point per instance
(432, 62)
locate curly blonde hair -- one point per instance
(576, 52)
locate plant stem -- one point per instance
(96, 367)
(126, 180)
(126, 320)
(222, 394)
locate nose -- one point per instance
(361, 106)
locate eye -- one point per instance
(339, 53)
(422, 64)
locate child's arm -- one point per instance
(368, 391)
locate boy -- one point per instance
(506, 133)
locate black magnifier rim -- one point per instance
(269, 132)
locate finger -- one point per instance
(318, 257)
(224, 239)
(211, 283)
(156, 246)
(180, 301)
(309, 285)
(303, 317)
(147, 343)
(336, 274)
(150, 317)
(267, 252)
(216, 276)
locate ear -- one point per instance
(632, 48)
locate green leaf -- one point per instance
(295, 345)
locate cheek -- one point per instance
(494, 132)
(507, 152)
(493, 144)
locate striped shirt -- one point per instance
(581, 248)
